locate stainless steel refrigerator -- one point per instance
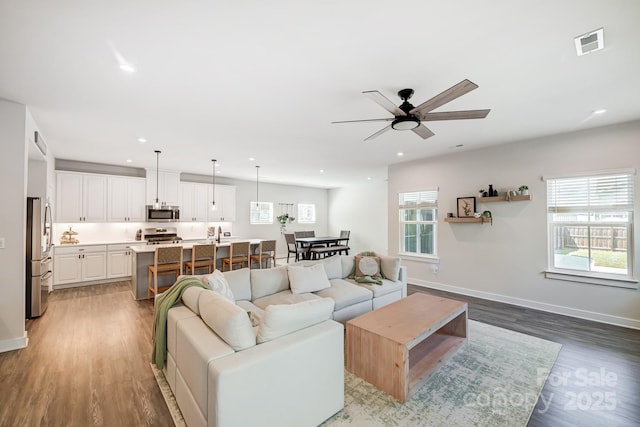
(38, 260)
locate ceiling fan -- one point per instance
(408, 117)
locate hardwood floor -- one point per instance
(596, 378)
(87, 364)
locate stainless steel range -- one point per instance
(156, 236)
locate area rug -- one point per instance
(493, 380)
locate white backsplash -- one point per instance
(126, 231)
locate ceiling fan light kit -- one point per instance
(408, 117)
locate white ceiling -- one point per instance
(265, 79)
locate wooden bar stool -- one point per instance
(239, 253)
(266, 252)
(167, 260)
(202, 256)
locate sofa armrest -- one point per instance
(297, 379)
(402, 277)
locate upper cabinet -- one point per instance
(167, 186)
(195, 205)
(225, 203)
(126, 202)
(81, 197)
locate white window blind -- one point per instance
(419, 199)
(604, 193)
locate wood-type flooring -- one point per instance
(87, 364)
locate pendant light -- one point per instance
(156, 205)
(257, 186)
(213, 181)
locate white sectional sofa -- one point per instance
(276, 355)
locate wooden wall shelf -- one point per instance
(504, 199)
(481, 219)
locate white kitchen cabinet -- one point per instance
(81, 197)
(75, 264)
(225, 203)
(119, 261)
(168, 187)
(126, 201)
(195, 205)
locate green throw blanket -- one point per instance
(164, 302)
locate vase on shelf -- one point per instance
(490, 192)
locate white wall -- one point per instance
(505, 261)
(362, 210)
(13, 174)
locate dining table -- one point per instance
(308, 242)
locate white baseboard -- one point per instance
(551, 308)
(14, 344)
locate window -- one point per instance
(261, 213)
(306, 213)
(418, 221)
(590, 222)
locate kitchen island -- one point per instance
(143, 258)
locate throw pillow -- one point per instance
(283, 319)
(367, 269)
(218, 283)
(390, 267)
(308, 279)
(227, 320)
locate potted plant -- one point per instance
(524, 190)
(283, 219)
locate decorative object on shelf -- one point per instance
(67, 236)
(487, 214)
(449, 214)
(490, 192)
(482, 193)
(285, 217)
(466, 207)
(524, 190)
(495, 192)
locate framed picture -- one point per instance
(466, 207)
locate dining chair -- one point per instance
(239, 253)
(166, 260)
(341, 247)
(292, 246)
(202, 256)
(266, 252)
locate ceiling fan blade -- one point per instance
(454, 115)
(448, 95)
(384, 102)
(366, 120)
(380, 132)
(423, 131)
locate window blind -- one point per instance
(419, 199)
(605, 193)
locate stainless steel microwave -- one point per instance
(163, 214)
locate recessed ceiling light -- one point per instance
(368, 178)
(399, 154)
(600, 111)
(128, 68)
(142, 140)
(128, 160)
(321, 170)
(252, 159)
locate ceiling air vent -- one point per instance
(590, 42)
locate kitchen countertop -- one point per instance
(187, 244)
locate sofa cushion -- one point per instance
(279, 320)
(367, 266)
(333, 267)
(240, 283)
(267, 281)
(390, 267)
(345, 293)
(191, 296)
(227, 320)
(284, 297)
(386, 287)
(348, 265)
(218, 283)
(308, 279)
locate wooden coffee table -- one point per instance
(397, 347)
